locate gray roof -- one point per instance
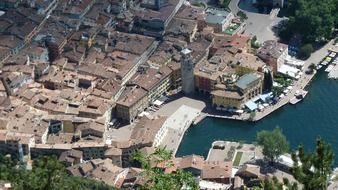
(216, 16)
(245, 80)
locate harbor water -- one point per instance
(316, 115)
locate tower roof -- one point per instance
(186, 51)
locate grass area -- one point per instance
(231, 29)
(283, 80)
(238, 158)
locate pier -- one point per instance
(298, 97)
(333, 74)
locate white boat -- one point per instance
(333, 54)
(319, 67)
(329, 68)
(324, 63)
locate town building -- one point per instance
(154, 22)
(192, 163)
(132, 102)
(71, 157)
(237, 94)
(216, 171)
(218, 19)
(156, 82)
(118, 6)
(273, 54)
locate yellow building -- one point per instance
(225, 99)
(245, 88)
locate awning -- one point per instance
(240, 111)
(251, 105)
(158, 103)
(266, 97)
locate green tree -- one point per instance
(224, 3)
(274, 184)
(159, 180)
(274, 144)
(47, 173)
(313, 20)
(305, 51)
(313, 169)
(312, 66)
(252, 115)
(268, 82)
(242, 15)
(276, 90)
(254, 43)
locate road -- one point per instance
(259, 25)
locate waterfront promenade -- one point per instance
(300, 84)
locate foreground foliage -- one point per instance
(156, 178)
(313, 20)
(47, 174)
(274, 184)
(274, 144)
(313, 169)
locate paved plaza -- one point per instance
(169, 108)
(259, 25)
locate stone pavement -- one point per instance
(257, 24)
(170, 107)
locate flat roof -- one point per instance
(251, 105)
(245, 80)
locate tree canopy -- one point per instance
(313, 20)
(274, 144)
(157, 179)
(47, 173)
(268, 81)
(305, 51)
(274, 184)
(313, 169)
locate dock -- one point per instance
(299, 96)
(295, 100)
(200, 118)
(333, 74)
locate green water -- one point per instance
(316, 115)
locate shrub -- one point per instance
(305, 51)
